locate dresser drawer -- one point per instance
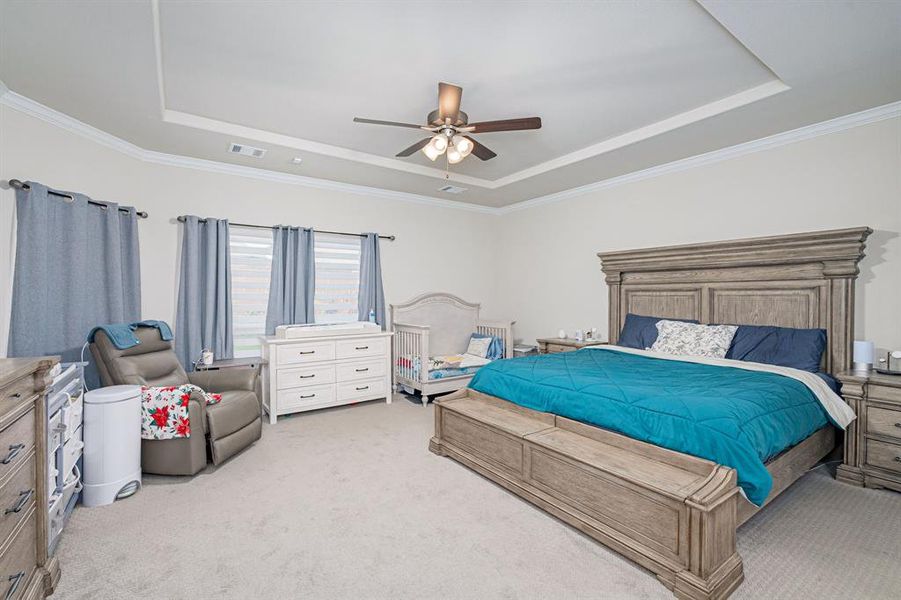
(16, 442)
(306, 353)
(364, 369)
(365, 388)
(884, 455)
(17, 496)
(364, 347)
(18, 563)
(15, 393)
(882, 421)
(291, 400)
(306, 376)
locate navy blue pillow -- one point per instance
(641, 332)
(783, 346)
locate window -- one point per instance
(337, 277)
(251, 265)
(337, 282)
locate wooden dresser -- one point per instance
(26, 571)
(325, 370)
(553, 345)
(872, 455)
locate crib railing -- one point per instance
(499, 329)
(411, 345)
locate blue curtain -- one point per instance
(77, 266)
(372, 295)
(204, 318)
(292, 287)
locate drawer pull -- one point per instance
(307, 396)
(361, 347)
(14, 451)
(366, 387)
(15, 580)
(15, 396)
(363, 370)
(898, 425)
(307, 376)
(307, 352)
(898, 459)
(24, 497)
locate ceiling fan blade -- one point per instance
(449, 97)
(505, 125)
(481, 151)
(417, 146)
(392, 123)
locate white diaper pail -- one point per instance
(112, 444)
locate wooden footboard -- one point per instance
(673, 514)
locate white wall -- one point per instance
(437, 249)
(550, 276)
(537, 265)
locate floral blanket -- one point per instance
(164, 410)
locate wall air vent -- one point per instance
(452, 189)
(246, 150)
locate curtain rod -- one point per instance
(390, 238)
(15, 183)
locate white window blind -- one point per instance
(337, 277)
(251, 265)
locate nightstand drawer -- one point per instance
(17, 496)
(554, 348)
(882, 421)
(884, 393)
(883, 455)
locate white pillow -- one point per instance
(479, 346)
(689, 339)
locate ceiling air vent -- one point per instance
(452, 189)
(246, 150)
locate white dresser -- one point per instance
(319, 366)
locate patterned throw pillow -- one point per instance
(478, 346)
(688, 339)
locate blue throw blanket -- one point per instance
(123, 337)
(731, 416)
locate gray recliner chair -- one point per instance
(224, 428)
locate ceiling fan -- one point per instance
(451, 127)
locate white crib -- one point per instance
(437, 324)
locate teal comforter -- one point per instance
(729, 415)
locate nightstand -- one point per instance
(553, 345)
(872, 453)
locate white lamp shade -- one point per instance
(463, 145)
(432, 152)
(863, 352)
(454, 156)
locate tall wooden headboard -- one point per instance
(799, 280)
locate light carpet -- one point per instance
(349, 503)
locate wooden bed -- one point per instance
(438, 324)
(672, 513)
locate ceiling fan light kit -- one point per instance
(451, 128)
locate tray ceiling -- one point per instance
(619, 86)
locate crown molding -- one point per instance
(30, 107)
(858, 119)
(48, 115)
